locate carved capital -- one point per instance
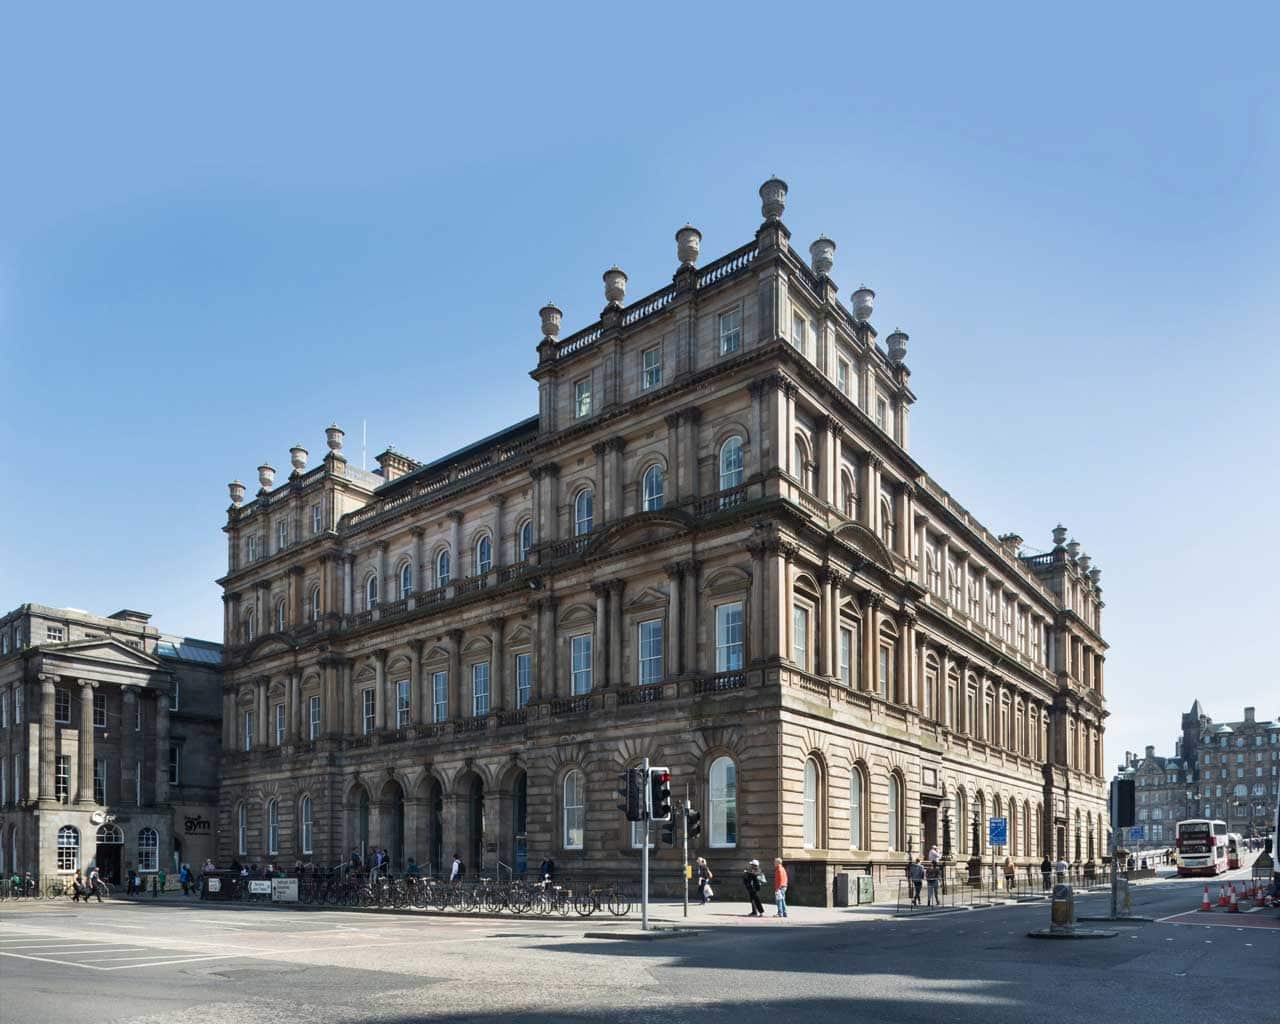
(617, 586)
(496, 623)
(87, 685)
(870, 600)
(455, 515)
(600, 588)
(617, 443)
(48, 679)
(672, 420)
(454, 636)
(693, 414)
(674, 569)
(418, 532)
(497, 500)
(600, 447)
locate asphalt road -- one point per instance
(212, 964)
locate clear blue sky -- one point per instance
(222, 229)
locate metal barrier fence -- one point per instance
(956, 886)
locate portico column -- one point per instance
(418, 684)
(675, 624)
(455, 673)
(599, 643)
(824, 626)
(162, 746)
(692, 612)
(129, 730)
(870, 602)
(756, 599)
(48, 688)
(379, 689)
(85, 751)
(616, 672)
(497, 676)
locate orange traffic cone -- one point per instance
(1235, 902)
(1204, 900)
(1223, 900)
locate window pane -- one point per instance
(404, 703)
(810, 804)
(650, 651)
(855, 810)
(440, 695)
(524, 679)
(581, 664)
(729, 637)
(723, 803)
(800, 627)
(480, 688)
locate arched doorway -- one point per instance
(520, 823)
(109, 852)
(435, 826)
(470, 796)
(392, 815)
(357, 821)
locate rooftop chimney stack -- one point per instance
(822, 254)
(1249, 713)
(688, 245)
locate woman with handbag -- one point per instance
(703, 877)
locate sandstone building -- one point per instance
(710, 546)
(110, 743)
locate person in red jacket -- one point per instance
(780, 886)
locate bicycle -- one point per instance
(588, 902)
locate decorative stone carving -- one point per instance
(822, 254)
(773, 198)
(1073, 548)
(864, 302)
(298, 458)
(551, 317)
(333, 435)
(1084, 561)
(688, 245)
(615, 286)
(897, 343)
(1059, 535)
(266, 475)
(237, 492)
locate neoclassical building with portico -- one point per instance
(710, 546)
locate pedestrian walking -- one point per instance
(915, 878)
(184, 879)
(547, 870)
(1009, 872)
(753, 881)
(703, 877)
(94, 890)
(1062, 867)
(780, 880)
(932, 875)
(1046, 871)
(456, 870)
(78, 889)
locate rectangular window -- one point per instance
(55, 634)
(650, 652)
(19, 704)
(650, 368)
(313, 706)
(404, 703)
(61, 707)
(369, 711)
(580, 663)
(951, 707)
(797, 331)
(62, 777)
(100, 780)
(884, 665)
(282, 534)
(315, 519)
(440, 695)
(882, 413)
(800, 637)
(17, 778)
(846, 656)
(729, 637)
(251, 548)
(582, 398)
(4, 783)
(842, 376)
(175, 701)
(730, 331)
(524, 679)
(248, 730)
(480, 689)
(4, 710)
(277, 713)
(175, 765)
(137, 716)
(99, 711)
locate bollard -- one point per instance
(1063, 909)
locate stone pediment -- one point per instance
(637, 530)
(101, 658)
(866, 543)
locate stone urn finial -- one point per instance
(1084, 561)
(897, 343)
(615, 286)
(551, 316)
(1095, 574)
(822, 254)
(298, 457)
(1073, 549)
(864, 302)
(1059, 535)
(237, 493)
(773, 198)
(333, 435)
(266, 475)
(688, 245)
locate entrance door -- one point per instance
(928, 828)
(108, 857)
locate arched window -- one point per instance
(273, 826)
(406, 580)
(961, 823)
(583, 511)
(811, 803)
(306, 815)
(800, 463)
(280, 615)
(371, 592)
(442, 568)
(484, 555)
(68, 848)
(654, 486)
(574, 810)
(148, 850)
(248, 628)
(895, 812)
(524, 539)
(242, 830)
(731, 463)
(723, 803)
(886, 521)
(315, 604)
(1026, 829)
(848, 496)
(856, 841)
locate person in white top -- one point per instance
(456, 871)
(933, 854)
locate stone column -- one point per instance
(455, 545)
(455, 672)
(498, 697)
(381, 717)
(617, 673)
(824, 624)
(675, 618)
(48, 748)
(228, 715)
(499, 502)
(872, 470)
(674, 482)
(263, 712)
(900, 685)
(419, 685)
(822, 457)
(544, 650)
(789, 450)
(129, 730)
(870, 602)
(775, 629)
(293, 709)
(692, 614)
(788, 607)
(84, 794)
(348, 583)
(756, 599)
(385, 587)
(833, 625)
(616, 446)
(162, 749)
(689, 457)
(349, 702)
(600, 638)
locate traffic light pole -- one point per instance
(685, 831)
(644, 851)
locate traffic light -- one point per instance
(1122, 803)
(693, 824)
(660, 794)
(631, 789)
(669, 833)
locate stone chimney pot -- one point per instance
(237, 492)
(266, 475)
(615, 286)
(897, 343)
(773, 198)
(688, 245)
(333, 435)
(298, 457)
(822, 253)
(864, 302)
(551, 317)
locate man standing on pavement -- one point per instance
(916, 875)
(455, 872)
(780, 886)
(752, 879)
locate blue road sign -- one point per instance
(998, 831)
(1137, 833)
